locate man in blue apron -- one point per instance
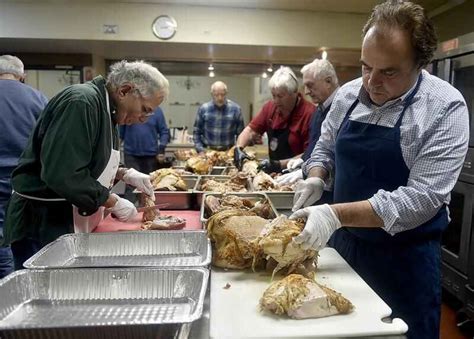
(63, 178)
(394, 143)
(285, 119)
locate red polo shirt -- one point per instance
(298, 122)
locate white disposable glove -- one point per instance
(123, 209)
(293, 163)
(290, 178)
(321, 223)
(307, 192)
(139, 180)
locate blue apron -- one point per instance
(404, 269)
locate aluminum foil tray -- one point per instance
(62, 301)
(199, 192)
(253, 197)
(281, 200)
(125, 249)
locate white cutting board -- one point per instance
(235, 313)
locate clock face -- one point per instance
(164, 27)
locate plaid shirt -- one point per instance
(217, 127)
(434, 138)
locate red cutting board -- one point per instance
(110, 224)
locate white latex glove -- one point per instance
(123, 209)
(321, 223)
(293, 163)
(307, 192)
(139, 180)
(290, 178)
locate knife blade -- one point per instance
(147, 208)
(289, 170)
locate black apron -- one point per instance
(278, 143)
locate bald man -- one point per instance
(218, 122)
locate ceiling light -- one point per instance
(270, 69)
(211, 68)
(211, 74)
(264, 75)
(324, 55)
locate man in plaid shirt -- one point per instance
(218, 122)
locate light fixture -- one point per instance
(270, 69)
(211, 74)
(211, 68)
(324, 55)
(264, 75)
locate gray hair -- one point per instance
(218, 84)
(321, 69)
(145, 77)
(284, 78)
(10, 64)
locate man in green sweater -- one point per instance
(63, 179)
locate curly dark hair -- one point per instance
(412, 18)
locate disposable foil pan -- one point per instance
(220, 178)
(125, 249)
(281, 200)
(70, 303)
(253, 197)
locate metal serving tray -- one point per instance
(218, 170)
(215, 170)
(66, 303)
(281, 200)
(199, 192)
(125, 249)
(253, 197)
(177, 200)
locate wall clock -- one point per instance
(164, 27)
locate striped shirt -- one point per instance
(434, 138)
(217, 127)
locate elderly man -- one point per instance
(394, 142)
(321, 84)
(285, 119)
(20, 106)
(63, 178)
(218, 122)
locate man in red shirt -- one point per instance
(285, 119)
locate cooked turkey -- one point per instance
(250, 168)
(213, 204)
(184, 154)
(264, 182)
(300, 298)
(150, 212)
(198, 165)
(232, 233)
(234, 184)
(275, 242)
(167, 179)
(164, 222)
(219, 158)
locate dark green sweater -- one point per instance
(66, 153)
